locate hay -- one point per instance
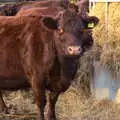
(70, 106)
(85, 74)
(110, 57)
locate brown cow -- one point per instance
(12, 9)
(9, 9)
(62, 68)
(36, 54)
(29, 45)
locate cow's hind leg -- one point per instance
(38, 88)
(3, 108)
(52, 99)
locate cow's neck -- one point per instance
(68, 68)
(65, 67)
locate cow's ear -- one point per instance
(90, 21)
(50, 23)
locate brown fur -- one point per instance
(24, 48)
(30, 53)
(83, 5)
(11, 10)
(43, 10)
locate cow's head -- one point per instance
(79, 25)
(72, 32)
(66, 43)
(75, 19)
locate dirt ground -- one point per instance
(70, 106)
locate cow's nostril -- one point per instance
(79, 49)
(70, 50)
(74, 50)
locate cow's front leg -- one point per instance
(52, 99)
(38, 87)
(3, 107)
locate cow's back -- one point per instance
(36, 11)
(11, 10)
(49, 7)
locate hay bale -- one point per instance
(110, 57)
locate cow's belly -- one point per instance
(7, 83)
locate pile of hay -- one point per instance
(110, 56)
(85, 73)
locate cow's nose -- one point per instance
(74, 50)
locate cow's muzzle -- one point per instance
(74, 50)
